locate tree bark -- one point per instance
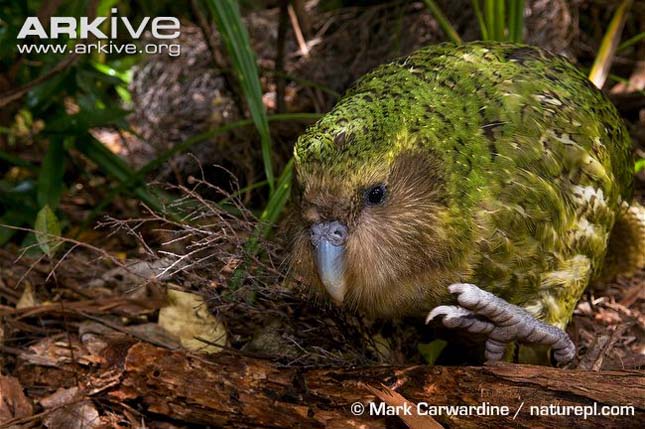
(233, 391)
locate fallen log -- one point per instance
(234, 391)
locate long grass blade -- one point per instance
(500, 20)
(17, 161)
(631, 41)
(115, 167)
(236, 39)
(489, 16)
(443, 22)
(185, 145)
(604, 58)
(480, 19)
(512, 5)
(519, 21)
(516, 20)
(139, 176)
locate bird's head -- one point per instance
(375, 222)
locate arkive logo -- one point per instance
(161, 27)
(102, 34)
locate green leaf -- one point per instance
(125, 77)
(47, 230)
(431, 351)
(631, 41)
(640, 165)
(236, 39)
(50, 178)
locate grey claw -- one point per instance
(506, 323)
(448, 311)
(459, 317)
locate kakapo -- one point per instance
(483, 183)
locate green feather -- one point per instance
(535, 161)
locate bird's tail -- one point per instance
(626, 247)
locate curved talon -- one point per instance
(459, 317)
(506, 323)
(448, 311)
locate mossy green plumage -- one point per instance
(532, 166)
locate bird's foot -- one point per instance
(503, 323)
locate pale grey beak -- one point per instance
(328, 239)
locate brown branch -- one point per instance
(279, 59)
(297, 31)
(235, 391)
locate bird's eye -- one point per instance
(375, 195)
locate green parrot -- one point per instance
(478, 183)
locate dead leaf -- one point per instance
(27, 299)
(231, 265)
(55, 352)
(97, 336)
(13, 402)
(187, 317)
(81, 415)
(154, 334)
(70, 408)
(395, 399)
(60, 397)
